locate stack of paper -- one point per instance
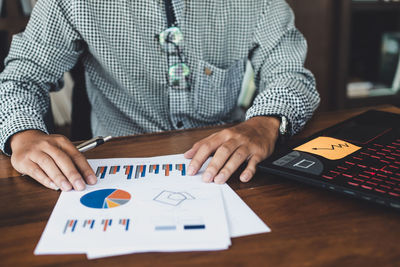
(143, 205)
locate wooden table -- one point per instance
(310, 226)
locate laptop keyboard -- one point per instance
(373, 168)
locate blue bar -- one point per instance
(118, 167)
(183, 169)
(144, 171)
(157, 168)
(127, 225)
(73, 227)
(104, 173)
(130, 173)
(109, 222)
(194, 227)
(91, 226)
(165, 228)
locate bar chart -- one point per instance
(74, 226)
(141, 171)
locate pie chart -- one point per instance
(105, 198)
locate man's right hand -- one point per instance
(52, 160)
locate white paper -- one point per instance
(193, 211)
(242, 221)
(170, 187)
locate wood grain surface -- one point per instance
(310, 226)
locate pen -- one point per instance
(92, 143)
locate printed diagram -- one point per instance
(172, 198)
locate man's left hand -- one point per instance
(251, 141)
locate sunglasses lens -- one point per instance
(171, 37)
(178, 75)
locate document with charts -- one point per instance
(146, 204)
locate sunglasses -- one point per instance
(171, 41)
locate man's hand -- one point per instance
(52, 160)
(252, 141)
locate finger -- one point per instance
(219, 159)
(47, 164)
(192, 151)
(34, 171)
(234, 162)
(67, 167)
(203, 153)
(80, 162)
(251, 168)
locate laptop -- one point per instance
(359, 157)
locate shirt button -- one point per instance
(179, 124)
(207, 71)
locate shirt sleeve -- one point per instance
(37, 59)
(284, 86)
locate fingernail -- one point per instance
(191, 170)
(92, 179)
(79, 185)
(245, 177)
(220, 178)
(66, 186)
(207, 177)
(53, 186)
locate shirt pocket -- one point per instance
(216, 90)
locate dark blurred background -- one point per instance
(354, 49)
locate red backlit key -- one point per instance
(396, 179)
(366, 187)
(327, 177)
(380, 191)
(394, 194)
(353, 184)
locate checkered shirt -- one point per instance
(126, 68)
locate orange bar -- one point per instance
(124, 222)
(105, 225)
(71, 223)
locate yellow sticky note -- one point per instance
(328, 147)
